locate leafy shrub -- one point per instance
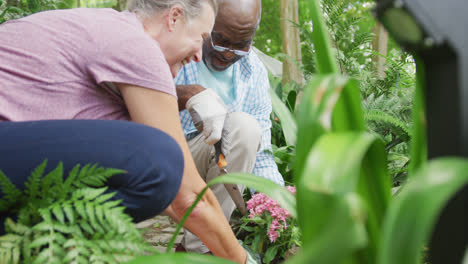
(67, 220)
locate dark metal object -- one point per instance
(435, 31)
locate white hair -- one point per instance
(191, 8)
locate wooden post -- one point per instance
(380, 45)
(291, 42)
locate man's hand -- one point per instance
(208, 112)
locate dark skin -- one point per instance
(234, 28)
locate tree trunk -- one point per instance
(291, 42)
(380, 45)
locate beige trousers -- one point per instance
(245, 138)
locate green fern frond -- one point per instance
(15, 228)
(15, 244)
(33, 184)
(93, 176)
(11, 194)
(375, 115)
(72, 175)
(10, 248)
(69, 220)
(52, 183)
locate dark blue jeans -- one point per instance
(152, 158)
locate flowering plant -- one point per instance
(269, 230)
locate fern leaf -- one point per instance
(15, 228)
(82, 173)
(105, 197)
(49, 256)
(101, 258)
(90, 210)
(111, 204)
(45, 214)
(86, 227)
(16, 254)
(376, 115)
(11, 194)
(79, 206)
(10, 238)
(97, 177)
(41, 241)
(26, 250)
(58, 213)
(53, 179)
(32, 185)
(69, 212)
(72, 175)
(72, 255)
(88, 194)
(100, 217)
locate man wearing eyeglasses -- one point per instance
(227, 98)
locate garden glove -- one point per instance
(208, 112)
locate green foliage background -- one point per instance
(387, 101)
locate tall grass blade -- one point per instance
(413, 213)
(325, 58)
(419, 139)
(330, 103)
(288, 123)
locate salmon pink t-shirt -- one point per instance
(59, 64)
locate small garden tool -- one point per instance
(232, 189)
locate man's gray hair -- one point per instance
(191, 8)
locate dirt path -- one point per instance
(158, 231)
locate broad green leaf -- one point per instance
(278, 193)
(330, 103)
(348, 114)
(419, 140)
(413, 213)
(288, 123)
(336, 195)
(270, 254)
(179, 258)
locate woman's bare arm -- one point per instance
(207, 221)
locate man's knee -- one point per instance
(245, 129)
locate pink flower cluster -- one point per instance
(261, 203)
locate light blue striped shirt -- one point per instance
(251, 95)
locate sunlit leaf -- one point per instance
(337, 193)
(326, 62)
(288, 123)
(419, 140)
(414, 212)
(278, 193)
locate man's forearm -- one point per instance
(185, 92)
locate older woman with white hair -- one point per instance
(60, 67)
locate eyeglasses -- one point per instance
(224, 49)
